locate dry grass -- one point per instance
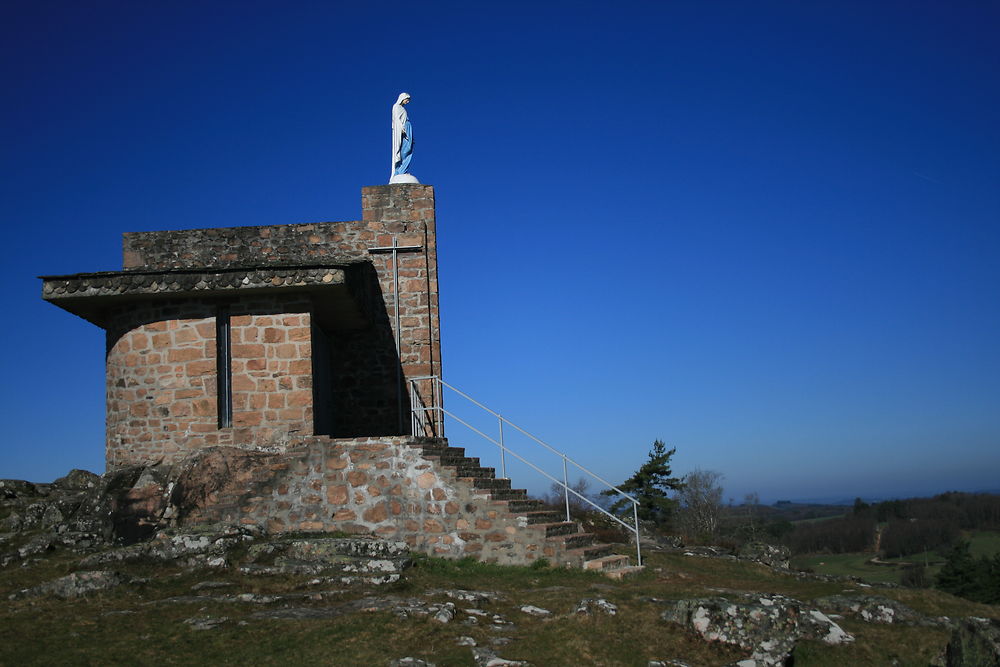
(94, 630)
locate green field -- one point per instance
(982, 543)
(855, 565)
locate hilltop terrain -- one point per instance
(227, 595)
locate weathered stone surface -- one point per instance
(485, 657)
(77, 480)
(17, 488)
(768, 554)
(590, 606)
(532, 610)
(205, 622)
(974, 643)
(468, 596)
(75, 585)
(372, 560)
(876, 609)
(410, 662)
(193, 549)
(766, 625)
(446, 613)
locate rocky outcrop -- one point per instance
(974, 643)
(348, 560)
(767, 554)
(75, 585)
(766, 625)
(877, 609)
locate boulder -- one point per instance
(77, 480)
(17, 488)
(768, 554)
(367, 559)
(974, 643)
(75, 585)
(766, 625)
(190, 549)
(876, 609)
(589, 606)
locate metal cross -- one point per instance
(395, 249)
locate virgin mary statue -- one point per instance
(402, 142)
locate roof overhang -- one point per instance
(335, 288)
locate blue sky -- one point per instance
(765, 232)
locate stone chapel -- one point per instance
(271, 376)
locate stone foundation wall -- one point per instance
(162, 378)
(384, 486)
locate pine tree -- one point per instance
(649, 486)
(959, 574)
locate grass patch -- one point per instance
(984, 543)
(853, 564)
(135, 625)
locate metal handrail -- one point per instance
(420, 424)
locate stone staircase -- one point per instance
(566, 543)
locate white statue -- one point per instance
(402, 142)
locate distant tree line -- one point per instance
(898, 528)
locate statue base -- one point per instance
(403, 178)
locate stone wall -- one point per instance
(404, 213)
(385, 486)
(162, 398)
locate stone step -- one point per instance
(452, 451)
(542, 516)
(459, 461)
(607, 563)
(574, 540)
(431, 447)
(559, 528)
(622, 572)
(510, 495)
(475, 471)
(490, 483)
(519, 505)
(577, 557)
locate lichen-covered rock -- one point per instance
(710, 552)
(194, 550)
(532, 610)
(368, 559)
(485, 657)
(589, 606)
(768, 554)
(75, 585)
(767, 625)
(974, 643)
(17, 488)
(206, 622)
(876, 609)
(410, 661)
(77, 480)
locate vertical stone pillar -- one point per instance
(406, 213)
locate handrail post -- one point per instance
(503, 451)
(566, 486)
(635, 515)
(413, 407)
(436, 384)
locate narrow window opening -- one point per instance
(224, 367)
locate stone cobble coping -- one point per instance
(128, 283)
